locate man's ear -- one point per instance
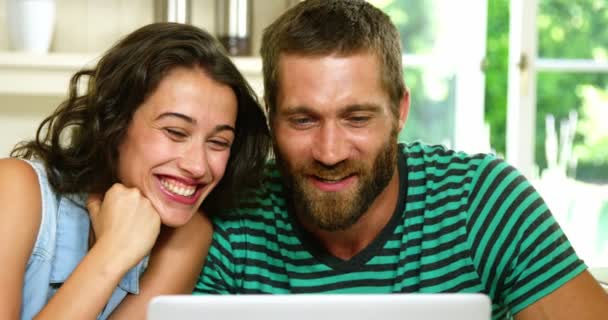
(404, 108)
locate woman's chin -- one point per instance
(175, 219)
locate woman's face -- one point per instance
(178, 143)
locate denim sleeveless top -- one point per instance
(62, 242)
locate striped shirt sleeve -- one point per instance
(520, 251)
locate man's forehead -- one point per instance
(316, 68)
(289, 55)
(331, 74)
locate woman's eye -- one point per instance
(220, 144)
(176, 134)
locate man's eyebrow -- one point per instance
(348, 109)
(296, 110)
(363, 107)
(176, 115)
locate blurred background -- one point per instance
(526, 80)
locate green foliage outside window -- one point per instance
(567, 29)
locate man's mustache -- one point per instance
(334, 172)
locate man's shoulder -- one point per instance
(438, 159)
(262, 204)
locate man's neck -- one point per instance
(345, 244)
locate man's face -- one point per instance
(334, 136)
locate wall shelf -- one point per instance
(49, 74)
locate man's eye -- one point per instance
(301, 121)
(359, 120)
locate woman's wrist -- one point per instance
(113, 263)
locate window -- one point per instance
(545, 98)
(558, 102)
(442, 71)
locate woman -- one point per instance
(121, 170)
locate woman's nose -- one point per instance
(194, 161)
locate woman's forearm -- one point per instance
(175, 263)
(88, 289)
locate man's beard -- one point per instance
(333, 211)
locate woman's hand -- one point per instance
(185, 247)
(125, 223)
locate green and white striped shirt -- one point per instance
(462, 224)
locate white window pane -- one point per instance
(443, 70)
(431, 117)
(572, 152)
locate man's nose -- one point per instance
(331, 145)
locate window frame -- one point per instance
(524, 66)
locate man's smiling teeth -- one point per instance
(178, 187)
(328, 180)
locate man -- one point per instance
(348, 210)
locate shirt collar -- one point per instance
(73, 225)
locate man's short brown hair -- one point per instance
(344, 27)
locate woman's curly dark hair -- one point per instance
(78, 142)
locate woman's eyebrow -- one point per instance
(176, 115)
(224, 127)
(218, 128)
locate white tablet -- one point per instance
(321, 307)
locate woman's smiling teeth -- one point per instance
(177, 187)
